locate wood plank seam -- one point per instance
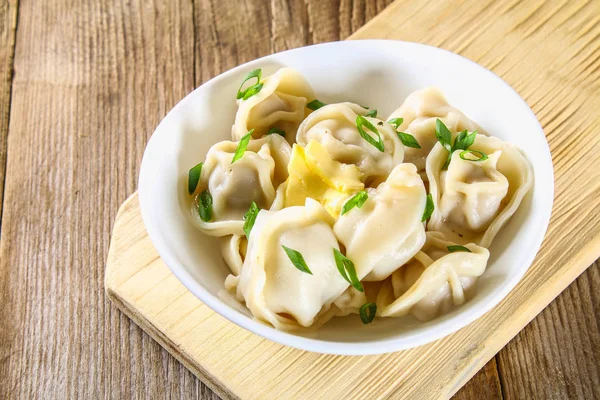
(499, 372)
(194, 38)
(5, 117)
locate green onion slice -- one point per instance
(297, 259)
(315, 104)
(347, 270)
(362, 121)
(242, 146)
(396, 122)
(194, 177)
(443, 135)
(429, 207)
(372, 113)
(249, 218)
(276, 131)
(356, 201)
(408, 140)
(464, 140)
(205, 206)
(452, 249)
(480, 155)
(367, 312)
(251, 90)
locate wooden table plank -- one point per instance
(8, 26)
(556, 355)
(225, 38)
(92, 81)
(485, 384)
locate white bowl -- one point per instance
(379, 74)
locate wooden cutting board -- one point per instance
(554, 63)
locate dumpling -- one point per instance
(280, 104)
(312, 173)
(233, 186)
(352, 300)
(233, 250)
(433, 282)
(419, 111)
(275, 291)
(334, 126)
(387, 230)
(349, 302)
(474, 199)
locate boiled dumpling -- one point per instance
(474, 199)
(334, 126)
(349, 302)
(352, 300)
(233, 250)
(420, 111)
(280, 104)
(433, 282)
(387, 230)
(233, 186)
(234, 247)
(276, 291)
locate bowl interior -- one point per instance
(379, 74)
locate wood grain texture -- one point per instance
(556, 356)
(557, 277)
(94, 80)
(8, 26)
(237, 363)
(484, 385)
(225, 39)
(527, 43)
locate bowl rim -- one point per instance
(382, 346)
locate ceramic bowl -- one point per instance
(378, 73)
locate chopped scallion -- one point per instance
(367, 312)
(429, 207)
(250, 218)
(194, 177)
(251, 90)
(480, 155)
(408, 140)
(315, 104)
(396, 122)
(356, 201)
(297, 259)
(242, 146)
(205, 206)
(372, 113)
(347, 270)
(452, 249)
(377, 143)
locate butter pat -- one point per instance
(313, 173)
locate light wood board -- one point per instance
(560, 83)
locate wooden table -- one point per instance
(82, 86)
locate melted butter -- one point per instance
(313, 173)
